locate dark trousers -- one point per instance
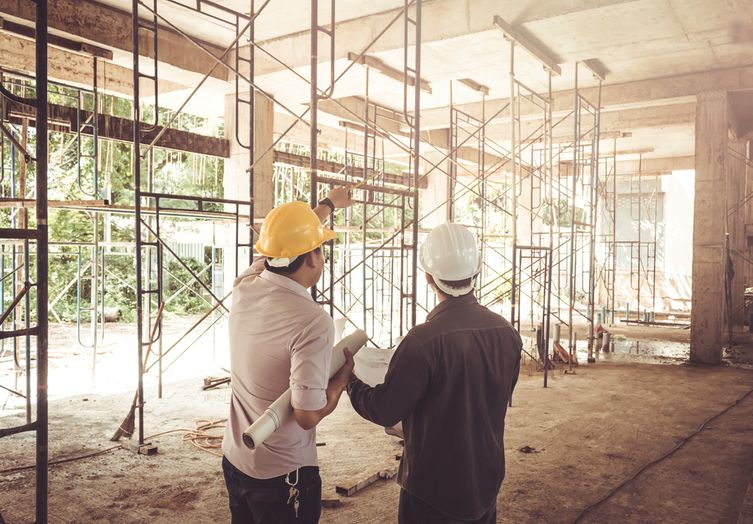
(415, 511)
(264, 501)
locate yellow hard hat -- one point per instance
(290, 230)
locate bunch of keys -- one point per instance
(293, 492)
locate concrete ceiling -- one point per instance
(635, 40)
(278, 18)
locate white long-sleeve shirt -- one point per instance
(279, 338)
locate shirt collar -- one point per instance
(285, 282)
(452, 303)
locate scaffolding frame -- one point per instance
(152, 245)
(21, 233)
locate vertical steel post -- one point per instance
(514, 159)
(314, 64)
(42, 261)
(573, 210)
(416, 159)
(137, 202)
(594, 205)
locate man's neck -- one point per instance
(297, 278)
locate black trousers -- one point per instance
(415, 511)
(264, 501)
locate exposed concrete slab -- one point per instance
(590, 431)
(467, 16)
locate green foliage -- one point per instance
(184, 293)
(72, 176)
(560, 214)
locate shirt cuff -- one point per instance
(308, 399)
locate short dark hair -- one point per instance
(294, 266)
(457, 284)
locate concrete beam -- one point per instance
(74, 69)
(647, 167)
(514, 35)
(388, 71)
(610, 122)
(654, 166)
(642, 93)
(109, 27)
(353, 109)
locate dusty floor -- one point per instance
(590, 431)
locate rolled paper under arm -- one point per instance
(279, 411)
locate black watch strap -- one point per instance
(327, 202)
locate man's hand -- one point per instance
(340, 197)
(339, 380)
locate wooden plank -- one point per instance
(331, 501)
(30, 203)
(56, 40)
(354, 485)
(388, 472)
(328, 166)
(65, 119)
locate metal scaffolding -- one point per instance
(19, 237)
(153, 207)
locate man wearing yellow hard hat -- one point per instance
(281, 338)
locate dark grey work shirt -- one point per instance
(449, 382)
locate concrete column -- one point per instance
(236, 178)
(735, 188)
(434, 198)
(748, 216)
(707, 316)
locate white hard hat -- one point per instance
(450, 252)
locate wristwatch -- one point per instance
(327, 202)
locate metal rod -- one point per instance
(138, 219)
(42, 455)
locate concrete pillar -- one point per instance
(735, 188)
(236, 178)
(748, 216)
(434, 199)
(707, 315)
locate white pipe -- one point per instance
(279, 411)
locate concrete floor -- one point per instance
(590, 431)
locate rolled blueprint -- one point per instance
(279, 411)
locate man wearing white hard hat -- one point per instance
(449, 382)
